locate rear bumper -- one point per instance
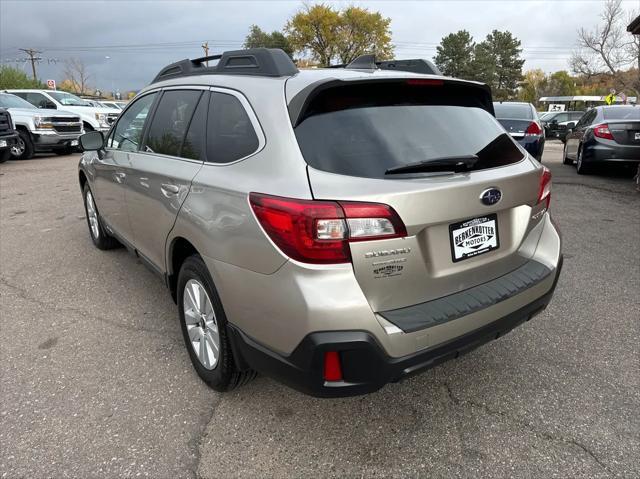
(599, 152)
(365, 365)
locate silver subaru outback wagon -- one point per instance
(336, 229)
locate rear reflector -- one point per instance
(332, 367)
(533, 130)
(602, 131)
(544, 191)
(320, 231)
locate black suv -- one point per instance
(555, 123)
(8, 135)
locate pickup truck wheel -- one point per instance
(101, 239)
(23, 149)
(204, 328)
(5, 155)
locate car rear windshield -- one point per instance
(512, 111)
(366, 130)
(622, 113)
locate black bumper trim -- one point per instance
(448, 308)
(365, 365)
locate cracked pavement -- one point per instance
(96, 381)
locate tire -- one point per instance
(23, 150)
(565, 159)
(219, 370)
(581, 167)
(101, 239)
(5, 155)
(67, 150)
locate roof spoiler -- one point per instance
(368, 62)
(267, 62)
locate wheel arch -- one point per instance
(179, 250)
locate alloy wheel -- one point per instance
(201, 323)
(92, 214)
(18, 149)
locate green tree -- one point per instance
(13, 78)
(560, 83)
(327, 34)
(259, 38)
(454, 55)
(533, 86)
(497, 62)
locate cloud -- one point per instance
(161, 32)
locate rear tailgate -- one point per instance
(454, 240)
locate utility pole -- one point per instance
(205, 47)
(33, 57)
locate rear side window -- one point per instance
(365, 130)
(230, 133)
(193, 144)
(622, 113)
(170, 121)
(513, 111)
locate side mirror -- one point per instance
(571, 125)
(92, 141)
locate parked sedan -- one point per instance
(604, 134)
(522, 123)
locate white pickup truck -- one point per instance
(93, 118)
(41, 129)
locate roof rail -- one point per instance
(368, 62)
(268, 62)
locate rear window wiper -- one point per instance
(455, 164)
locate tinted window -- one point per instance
(128, 131)
(587, 118)
(36, 99)
(170, 121)
(622, 113)
(354, 133)
(513, 111)
(230, 134)
(194, 140)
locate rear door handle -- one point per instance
(169, 190)
(119, 176)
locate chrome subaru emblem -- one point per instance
(491, 196)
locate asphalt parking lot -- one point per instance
(96, 381)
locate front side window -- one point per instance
(230, 133)
(36, 99)
(127, 134)
(170, 121)
(68, 99)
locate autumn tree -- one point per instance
(454, 55)
(329, 35)
(609, 48)
(259, 38)
(560, 83)
(76, 76)
(533, 85)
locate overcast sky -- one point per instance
(159, 32)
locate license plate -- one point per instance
(637, 137)
(3, 143)
(474, 237)
(74, 142)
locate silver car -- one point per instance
(336, 229)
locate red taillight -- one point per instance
(332, 367)
(544, 191)
(319, 231)
(533, 129)
(602, 131)
(425, 82)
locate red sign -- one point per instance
(51, 84)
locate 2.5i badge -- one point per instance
(473, 237)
